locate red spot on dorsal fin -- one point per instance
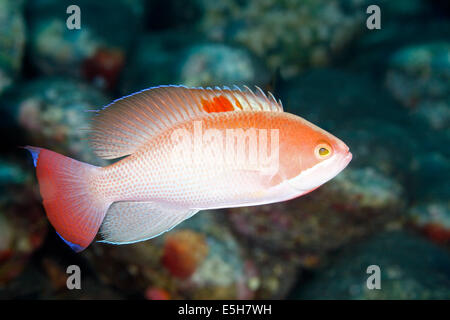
(217, 104)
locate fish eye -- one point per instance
(323, 151)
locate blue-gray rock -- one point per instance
(166, 59)
(355, 204)
(288, 35)
(433, 218)
(430, 175)
(12, 41)
(418, 77)
(23, 225)
(411, 268)
(53, 113)
(96, 51)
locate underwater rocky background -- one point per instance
(385, 92)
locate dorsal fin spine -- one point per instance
(167, 109)
(246, 100)
(153, 112)
(163, 113)
(254, 96)
(177, 98)
(265, 98)
(189, 97)
(144, 114)
(174, 105)
(272, 97)
(149, 114)
(124, 127)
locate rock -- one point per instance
(217, 64)
(12, 41)
(23, 225)
(184, 251)
(433, 218)
(92, 52)
(199, 259)
(270, 275)
(350, 95)
(356, 203)
(45, 278)
(147, 265)
(411, 268)
(318, 30)
(222, 275)
(371, 190)
(430, 175)
(11, 174)
(153, 60)
(256, 273)
(391, 150)
(418, 77)
(156, 294)
(52, 111)
(403, 23)
(165, 59)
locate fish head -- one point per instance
(319, 157)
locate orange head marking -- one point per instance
(314, 156)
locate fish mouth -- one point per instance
(321, 172)
(340, 164)
(347, 158)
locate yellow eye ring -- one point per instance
(323, 151)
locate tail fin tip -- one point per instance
(75, 247)
(34, 153)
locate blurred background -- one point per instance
(385, 92)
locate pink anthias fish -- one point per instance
(170, 171)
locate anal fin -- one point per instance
(130, 222)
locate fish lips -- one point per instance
(322, 172)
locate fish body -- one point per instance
(185, 150)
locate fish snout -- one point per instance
(341, 147)
(346, 159)
(344, 154)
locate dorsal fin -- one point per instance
(121, 127)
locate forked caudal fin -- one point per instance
(72, 208)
